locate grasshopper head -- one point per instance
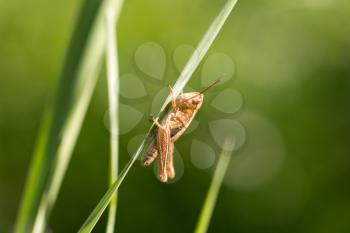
(193, 100)
(190, 100)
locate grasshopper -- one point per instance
(174, 124)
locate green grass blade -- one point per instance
(76, 85)
(87, 78)
(189, 69)
(51, 130)
(212, 195)
(27, 203)
(201, 50)
(113, 99)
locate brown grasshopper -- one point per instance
(174, 124)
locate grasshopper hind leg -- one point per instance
(150, 156)
(170, 162)
(163, 144)
(165, 148)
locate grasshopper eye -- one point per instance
(195, 102)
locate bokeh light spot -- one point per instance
(218, 65)
(261, 158)
(181, 55)
(227, 129)
(202, 155)
(131, 87)
(150, 58)
(228, 101)
(129, 117)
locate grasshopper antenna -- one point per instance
(210, 86)
(206, 89)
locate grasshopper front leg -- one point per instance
(152, 154)
(173, 99)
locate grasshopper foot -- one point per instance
(163, 177)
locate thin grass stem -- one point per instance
(213, 192)
(113, 99)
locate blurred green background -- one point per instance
(291, 67)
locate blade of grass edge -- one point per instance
(76, 85)
(113, 99)
(213, 192)
(185, 75)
